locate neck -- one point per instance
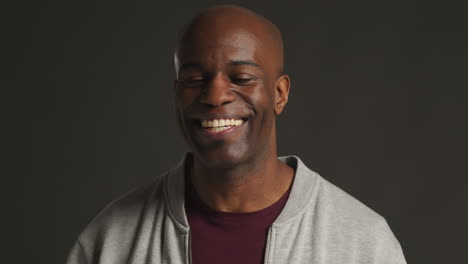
(248, 187)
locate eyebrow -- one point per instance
(240, 63)
(190, 65)
(231, 63)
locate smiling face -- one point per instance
(228, 90)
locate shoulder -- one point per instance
(122, 216)
(112, 234)
(348, 219)
(314, 194)
(335, 201)
(331, 225)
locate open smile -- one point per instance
(221, 126)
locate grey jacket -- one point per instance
(319, 224)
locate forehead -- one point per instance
(219, 46)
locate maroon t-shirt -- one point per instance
(219, 237)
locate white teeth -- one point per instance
(218, 129)
(221, 123)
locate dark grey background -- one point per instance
(377, 106)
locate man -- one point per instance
(232, 200)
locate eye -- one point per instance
(192, 81)
(243, 80)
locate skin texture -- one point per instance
(229, 64)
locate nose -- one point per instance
(217, 92)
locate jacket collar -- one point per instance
(302, 190)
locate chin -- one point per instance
(222, 158)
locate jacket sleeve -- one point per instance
(388, 248)
(77, 255)
(402, 259)
(396, 257)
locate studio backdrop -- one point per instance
(377, 107)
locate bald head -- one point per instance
(229, 64)
(236, 22)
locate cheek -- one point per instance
(183, 99)
(260, 95)
(185, 96)
(263, 100)
(266, 101)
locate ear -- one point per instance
(281, 93)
